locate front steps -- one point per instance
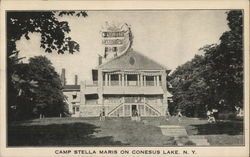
(199, 140)
(181, 137)
(173, 130)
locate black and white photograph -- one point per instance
(125, 78)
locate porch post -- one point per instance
(144, 80)
(141, 80)
(157, 81)
(119, 78)
(126, 80)
(106, 79)
(122, 79)
(109, 79)
(154, 80)
(138, 80)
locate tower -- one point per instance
(116, 40)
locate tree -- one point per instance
(190, 92)
(226, 61)
(48, 96)
(214, 80)
(45, 97)
(53, 38)
(53, 32)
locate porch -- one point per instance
(132, 78)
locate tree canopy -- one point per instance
(54, 38)
(40, 92)
(215, 79)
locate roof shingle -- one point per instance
(132, 60)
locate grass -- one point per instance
(117, 132)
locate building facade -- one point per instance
(125, 82)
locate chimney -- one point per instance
(76, 79)
(63, 77)
(99, 60)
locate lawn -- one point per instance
(117, 132)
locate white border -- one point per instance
(117, 5)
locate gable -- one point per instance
(132, 60)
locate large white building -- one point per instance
(124, 82)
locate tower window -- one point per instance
(104, 34)
(106, 49)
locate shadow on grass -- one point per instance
(230, 128)
(71, 134)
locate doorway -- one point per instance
(76, 111)
(134, 110)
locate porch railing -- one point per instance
(129, 83)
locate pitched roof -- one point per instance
(132, 60)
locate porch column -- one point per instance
(141, 80)
(138, 80)
(119, 78)
(109, 79)
(122, 79)
(144, 81)
(154, 81)
(157, 81)
(126, 80)
(106, 79)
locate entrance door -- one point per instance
(76, 111)
(134, 110)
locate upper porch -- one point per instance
(132, 78)
(127, 82)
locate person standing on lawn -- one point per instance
(210, 116)
(102, 115)
(179, 115)
(167, 115)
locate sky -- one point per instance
(170, 37)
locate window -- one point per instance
(114, 49)
(114, 79)
(104, 34)
(74, 96)
(113, 99)
(150, 81)
(77, 109)
(106, 49)
(127, 110)
(132, 79)
(133, 99)
(132, 60)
